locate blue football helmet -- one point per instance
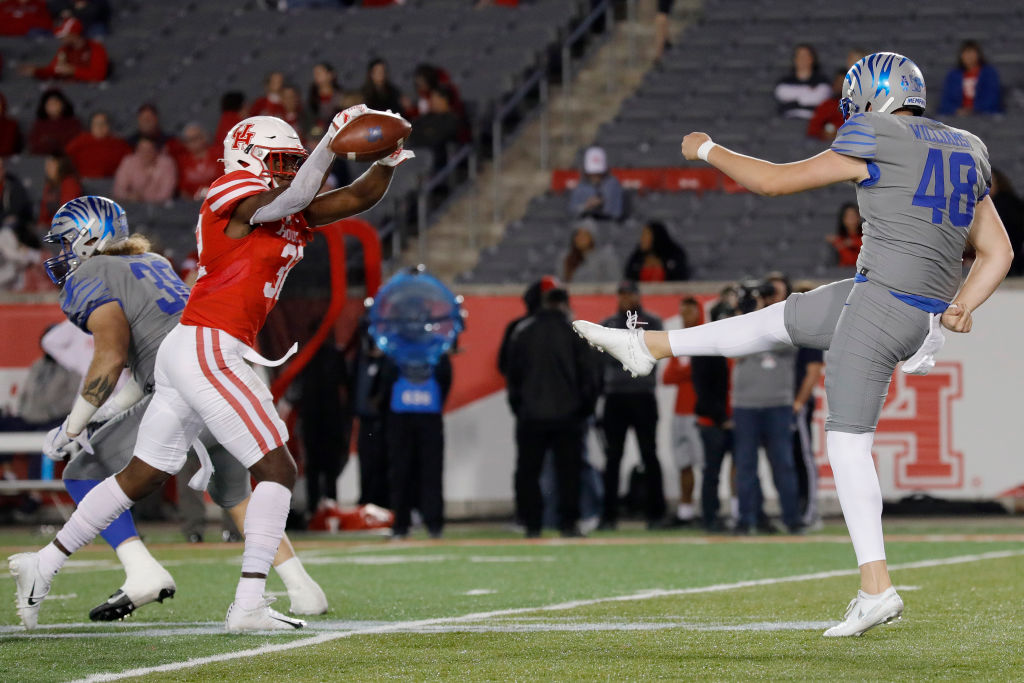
(82, 227)
(885, 80)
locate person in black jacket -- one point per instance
(630, 403)
(370, 406)
(415, 443)
(552, 381)
(657, 257)
(711, 384)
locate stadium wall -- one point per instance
(954, 433)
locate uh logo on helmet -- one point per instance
(871, 81)
(265, 146)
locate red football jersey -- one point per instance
(240, 279)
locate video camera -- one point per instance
(750, 291)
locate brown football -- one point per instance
(370, 137)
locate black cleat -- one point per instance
(119, 605)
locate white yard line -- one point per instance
(478, 616)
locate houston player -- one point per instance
(251, 231)
(922, 188)
(128, 299)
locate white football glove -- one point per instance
(59, 446)
(347, 116)
(396, 158)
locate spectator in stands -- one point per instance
(584, 261)
(972, 87)
(438, 128)
(60, 186)
(849, 235)
(270, 103)
(15, 205)
(291, 106)
(599, 193)
(97, 153)
(800, 92)
(1011, 210)
(55, 124)
(94, 14)
(827, 118)
(11, 141)
(629, 402)
(661, 41)
(21, 17)
(552, 391)
(325, 97)
(78, 58)
(687, 447)
(763, 391)
(148, 175)
(232, 110)
(19, 245)
(197, 161)
(657, 257)
(379, 92)
(147, 122)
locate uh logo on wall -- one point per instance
(913, 446)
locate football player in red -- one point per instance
(252, 228)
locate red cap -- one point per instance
(69, 27)
(549, 282)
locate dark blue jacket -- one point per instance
(987, 97)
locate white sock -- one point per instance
(684, 511)
(51, 559)
(265, 518)
(755, 332)
(734, 508)
(100, 507)
(860, 496)
(292, 573)
(249, 594)
(135, 558)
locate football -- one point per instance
(370, 137)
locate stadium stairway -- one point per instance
(607, 77)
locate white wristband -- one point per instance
(705, 149)
(79, 416)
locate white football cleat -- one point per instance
(262, 618)
(866, 612)
(141, 588)
(625, 346)
(307, 598)
(30, 587)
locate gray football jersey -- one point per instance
(150, 293)
(918, 204)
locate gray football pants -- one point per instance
(114, 442)
(865, 331)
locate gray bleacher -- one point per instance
(183, 55)
(719, 78)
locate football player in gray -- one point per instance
(922, 188)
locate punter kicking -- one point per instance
(922, 188)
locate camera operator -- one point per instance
(762, 400)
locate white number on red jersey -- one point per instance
(293, 253)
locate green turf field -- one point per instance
(485, 605)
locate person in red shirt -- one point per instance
(21, 17)
(77, 59)
(97, 153)
(270, 103)
(55, 125)
(198, 163)
(294, 115)
(11, 140)
(848, 238)
(827, 118)
(687, 446)
(252, 228)
(61, 186)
